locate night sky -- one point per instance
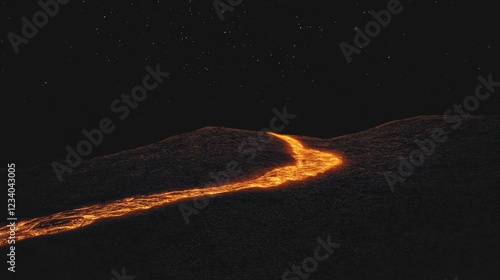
(232, 73)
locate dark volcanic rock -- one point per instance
(179, 162)
(441, 222)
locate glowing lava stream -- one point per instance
(308, 163)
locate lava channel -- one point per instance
(308, 163)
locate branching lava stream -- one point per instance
(308, 163)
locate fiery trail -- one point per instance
(308, 163)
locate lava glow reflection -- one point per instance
(308, 163)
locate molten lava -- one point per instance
(308, 163)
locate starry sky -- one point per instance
(232, 73)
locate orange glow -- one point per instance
(308, 163)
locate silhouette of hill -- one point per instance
(442, 221)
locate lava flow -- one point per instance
(308, 163)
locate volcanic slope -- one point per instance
(441, 222)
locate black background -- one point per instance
(265, 54)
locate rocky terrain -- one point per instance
(440, 220)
